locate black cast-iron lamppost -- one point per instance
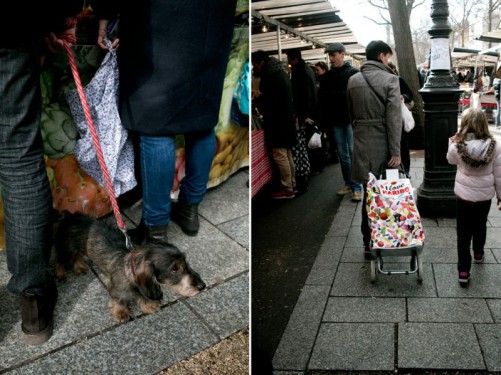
(435, 196)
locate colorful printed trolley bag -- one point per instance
(393, 216)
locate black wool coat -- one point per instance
(172, 60)
(275, 104)
(304, 91)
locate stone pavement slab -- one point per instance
(324, 268)
(485, 281)
(143, 346)
(353, 279)
(225, 307)
(438, 346)
(449, 310)
(354, 346)
(489, 336)
(354, 309)
(495, 308)
(87, 341)
(297, 341)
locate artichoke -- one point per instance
(59, 131)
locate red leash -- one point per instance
(97, 146)
(93, 133)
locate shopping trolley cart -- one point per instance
(394, 221)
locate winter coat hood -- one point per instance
(477, 152)
(478, 175)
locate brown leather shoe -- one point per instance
(37, 313)
(186, 216)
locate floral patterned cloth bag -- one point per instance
(102, 96)
(393, 216)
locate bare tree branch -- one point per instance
(377, 22)
(371, 2)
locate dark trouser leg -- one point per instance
(464, 229)
(25, 188)
(404, 151)
(26, 192)
(365, 219)
(480, 226)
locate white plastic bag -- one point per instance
(407, 117)
(315, 140)
(102, 97)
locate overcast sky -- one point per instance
(354, 13)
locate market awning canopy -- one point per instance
(490, 37)
(309, 25)
(465, 57)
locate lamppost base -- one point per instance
(436, 203)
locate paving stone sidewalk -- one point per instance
(87, 341)
(343, 322)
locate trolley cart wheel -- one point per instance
(373, 270)
(419, 269)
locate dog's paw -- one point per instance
(79, 266)
(119, 311)
(148, 306)
(60, 273)
(80, 269)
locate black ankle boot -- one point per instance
(138, 234)
(157, 234)
(186, 216)
(37, 313)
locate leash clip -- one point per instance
(128, 242)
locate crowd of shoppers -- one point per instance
(319, 100)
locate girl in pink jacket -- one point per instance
(478, 179)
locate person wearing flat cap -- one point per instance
(333, 109)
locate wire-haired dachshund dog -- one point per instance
(133, 276)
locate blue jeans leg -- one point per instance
(25, 188)
(344, 143)
(199, 152)
(157, 158)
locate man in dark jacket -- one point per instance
(334, 110)
(26, 192)
(275, 104)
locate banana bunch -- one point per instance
(232, 149)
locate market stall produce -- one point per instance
(60, 133)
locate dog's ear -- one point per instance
(147, 283)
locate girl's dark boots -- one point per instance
(186, 216)
(37, 312)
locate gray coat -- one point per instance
(376, 127)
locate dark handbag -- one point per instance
(300, 155)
